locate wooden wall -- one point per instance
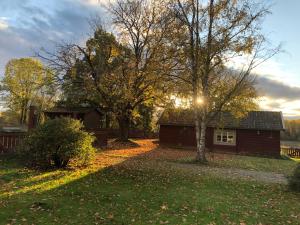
(248, 142)
(177, 135)
(9, 141)
(91, 120)
(259, 142)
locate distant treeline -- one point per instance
(292, 130)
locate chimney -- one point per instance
(32, 119)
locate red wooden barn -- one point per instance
(258, 133)
(92, 118)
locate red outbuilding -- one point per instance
(257, 133)
(93, 119)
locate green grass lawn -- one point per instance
(134, 194)
(284, 166)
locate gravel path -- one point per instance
(266, 177)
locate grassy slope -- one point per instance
(283, 166)
(133, 195)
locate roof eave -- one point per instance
(225, 127)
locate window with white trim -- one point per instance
(224, 137)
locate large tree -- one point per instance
(218, 34)
(121, 74)
(103, 74)
(27, 81)
(146, 27)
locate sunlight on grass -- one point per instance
(40, 183)
(296, 160)
(142, 187)
(50, 180)
(46, 181)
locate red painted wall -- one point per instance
(91, 120)
(249, 142)
(177, 135)
(258, 142)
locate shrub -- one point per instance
(57, 143)
(294, 180)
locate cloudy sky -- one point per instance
(28, 25)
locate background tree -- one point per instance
(102, 73)
(218, 33)
(26, 80)
(292, 130)
(121, 74)
(143, 119)
(144, 27)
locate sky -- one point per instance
(28, 25)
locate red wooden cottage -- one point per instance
(92, 118)
(258, 133)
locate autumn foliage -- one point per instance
(57, 143)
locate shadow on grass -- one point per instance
(141, 190)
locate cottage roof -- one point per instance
(257, 120)
(69, 110)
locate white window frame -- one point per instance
(222, 137)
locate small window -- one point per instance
(224, 137)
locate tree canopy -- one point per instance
(219, 32)
(104, 74)
(27, 81)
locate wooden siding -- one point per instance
(248, 142)
(258, 142)
(177, 135)
(92, 120)
(10, 141)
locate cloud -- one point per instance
(3, 23)
(92, 2)
(274, 105)
(35, 24)
(278, 96)
(273, 82)
(289, 108)
(95, 2)
(276, 89)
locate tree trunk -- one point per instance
(59, 162)
(201, 146)
(107, 121)
(21, 116)
(124, 123)
(200, 129)
(24, 111)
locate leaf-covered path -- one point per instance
(234, 173)
(149, 152)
